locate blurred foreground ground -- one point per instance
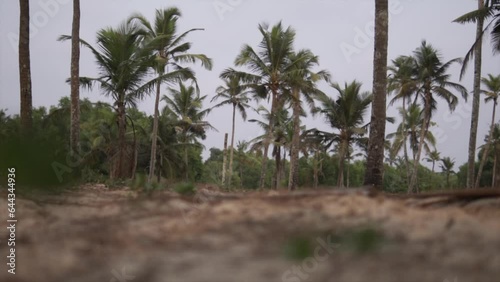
(95, 234)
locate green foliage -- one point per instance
(185, 188)
(298, 248)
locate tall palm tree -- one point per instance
(434, 81)
(375, 160)
(475, 52)
(123, 66)
(268, 71)
(25, 66)
(186, 106)
(346, 115)
(232, 94)
(301, 80)
(495, 142)
(75, 82)
(447, 165)
(411, 126)
(401, 82)
(492, 92)
(433, 157)
(170, 49)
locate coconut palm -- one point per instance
(433, 157)
(495, 143)
(411, 126)
(301, 83)
(232, 94)
(268, 68)
(492, 92)
(185, 107)
(476, 52)
(447, 165)
(171, 50)
(375, 160)
(25, 66)
(346, 115)
(123, 67)
(401, 82)
(434, 81)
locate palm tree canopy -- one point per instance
(492, 84)
(233, 93)
(447, 165)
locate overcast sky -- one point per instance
(339, 31)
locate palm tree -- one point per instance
(433, 157)
(25, 66)
(186, 107)
(269, 67)
(123, 66)
(375, 160)
(433, 81)
(495, 141)
(170, 50)
(346, 114)
(234, 95)
(477, 52)
(401, 81)
(492, 92)
(447, 167)
(301, 80)
(409, 130)
(75, 82)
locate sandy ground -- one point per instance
(96, 234)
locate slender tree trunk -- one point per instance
(316, 169)
(267, 139)
(75, 83)
(25, 66)
(405, 141)
(293, 178)
(347, 172)
(154, 135)
(342, 154)
(448, 180)
(487, 148)
(423, 133)
(224, 161)
(375, 160)
(186, 159)
(475, 100)
(493, 178)
(120, 170)
(231, 153)
(277, 175)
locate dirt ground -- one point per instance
(96, 234)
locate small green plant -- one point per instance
(185, 188)
(364, 240)
(298, 248)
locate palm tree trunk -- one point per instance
(347, 172)
(423, 133)
(405, 140)
(75, 83)
(293, 178)
(316, 169)
(119, 170)
(375, 160)
(25, 66)
(448, 180)
(267, 141)
(154, 135)
(186, 160)
(277, 174)
(231, 153)
(224, 161)
(342, 154)
(475, 100)
(487, 148)
(493, 178)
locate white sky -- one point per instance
(323, 26)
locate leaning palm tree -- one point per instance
(232, 94)
(123, 66)
(186, 106)
(434, 81)
(301, 80)
(492, 92)
(375, 159)
(447, 167)
(170, 50)
(268, 68)
(346, 115)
